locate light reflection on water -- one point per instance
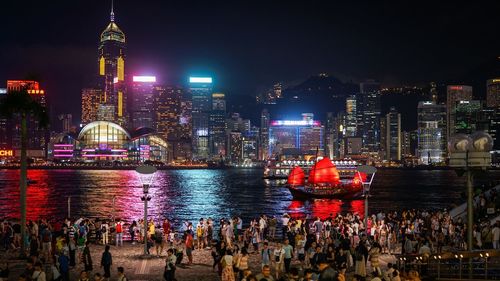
(192, 194)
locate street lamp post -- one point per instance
(470, 153)
(370, 172)
(146, 175)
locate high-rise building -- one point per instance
(111, 65)
(302, 136)
(433, 93)
(351, 116)
(172, 120)
(493, 93)
(264, 134)
(217, 126)
(37, 137)
(5, 130)
(370, 110)
(455, 93)
(200, 89)
(235, 147)
(393, 135)
(330, 136)
(431, 132)
(66, 122)
(406, 144)
(91, 99)
(142, 101)
(238, 124)
(467, 115)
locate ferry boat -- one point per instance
(326, 181)
(275, 170)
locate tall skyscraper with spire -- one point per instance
(111, 61)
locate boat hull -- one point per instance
(305, 193)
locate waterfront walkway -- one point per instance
(137, 268)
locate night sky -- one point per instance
(247, 45)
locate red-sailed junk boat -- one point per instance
(325, 182)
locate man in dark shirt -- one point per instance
(326, 273)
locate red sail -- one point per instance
(296, 176)
(324, 172)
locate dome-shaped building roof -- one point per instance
(113, 33)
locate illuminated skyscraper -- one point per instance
(431, 132)
(392, 135)
(5, 130)
(66, 121)
(370, 112)
(142, 101)
(351, 113)
(454, 94)
(493, 93)
(235, 147)
(264, 135)
(37, 137)
(200, 89)
(172, 120)
(467, 115)
(217, 126)
(111, 62)
(91, 99)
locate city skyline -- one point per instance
(217, 54)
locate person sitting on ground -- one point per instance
(38, 274)
(84, 276)
(326, 272)
(121, 274)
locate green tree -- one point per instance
(18, 105)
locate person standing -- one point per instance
(288, 249)
(279, 257)
(496, 235)
(64, 266)
(227, 266)
(169, 274)
(119, 233)
(87, 258)
(189, 243)
(106, 262)
(131, 230)
(104, 232)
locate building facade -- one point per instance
(217, 126)
(431, 132)
(493, 93)
(142, 101)
(454, 94)
(200, 89)
(370, 113)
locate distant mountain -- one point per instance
(318, 94)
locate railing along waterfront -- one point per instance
(454, 265)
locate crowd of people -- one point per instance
(287, 248)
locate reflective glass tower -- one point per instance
(201, 96)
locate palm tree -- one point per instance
(19, 104)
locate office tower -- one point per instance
(5, 130)
(493, 93)
(142, 101)
(172, 120)
(91, 99)
(235, 147)
(431, 132)
(370, 110)
(264, 135)
(66, 122)
(236, 123)
(304, 136)
(351, 116)
(467, 114)
(111, 62)
(200, 89)
(217, 126)
(406, 144)
(455, 93)
(393, 135)
(383, 139)
(106, 112)
(37, 137)
(330, 136)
